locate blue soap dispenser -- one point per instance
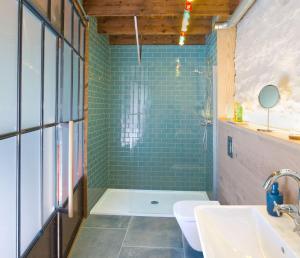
(273, 195)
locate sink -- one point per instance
(245, 232)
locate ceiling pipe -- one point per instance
(238, 14)
(137, 39)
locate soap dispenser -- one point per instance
(273, 196)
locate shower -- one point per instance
(206, 111)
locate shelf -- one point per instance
(276, 133)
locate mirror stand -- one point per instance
(268, 97)
(268, 130)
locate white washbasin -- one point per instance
(245, 232)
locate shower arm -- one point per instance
(137, 39)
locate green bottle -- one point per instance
(238, 112)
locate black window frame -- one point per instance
(60, 41)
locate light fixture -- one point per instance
(185, 21)
(182, 38)
(188, 6)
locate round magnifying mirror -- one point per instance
(268, 97)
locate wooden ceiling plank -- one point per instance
(155, 40)
(157, 7)
(152, 26)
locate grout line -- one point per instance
(157, 247)
(183, 247)
(102, 227)
(131, 218)
(152, 247)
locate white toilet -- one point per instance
(184, 214)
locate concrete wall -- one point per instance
(268, 52)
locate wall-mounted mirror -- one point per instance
(268, 97)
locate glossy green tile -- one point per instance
(99, 81)
(145, 122)
(155, 122)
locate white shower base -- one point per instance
(127, 202)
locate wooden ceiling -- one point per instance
(159, 21)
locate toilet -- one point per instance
(184, 214)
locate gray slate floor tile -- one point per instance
(103, 221)
(138, 252)
(98, 243)
(189, 252)
(153, 232)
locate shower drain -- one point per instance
(154, 202)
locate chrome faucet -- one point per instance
(292, 211)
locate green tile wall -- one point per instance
(145, 122)
(99, 84)
(211, 42)
(155, 118)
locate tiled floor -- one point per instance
(131, 237)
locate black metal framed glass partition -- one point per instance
(41, 91)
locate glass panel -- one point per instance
(75, 85)
(31, 70)
(8, 66)
(81, 89)
(66, 105)
(56, 13)
(42, 5)
(60, 78)
(76, 145)
(76, 32)
(82, 31)
(68, 21)
(80, 151)
(49, 170)
(63, 152)
(50, 77)
(30, 188)
(8, 190)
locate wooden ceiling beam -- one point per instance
(157, 7)
(152, 25)
(155, 40)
